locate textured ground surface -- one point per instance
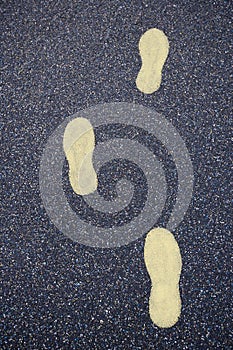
(62, 56)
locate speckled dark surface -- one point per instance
(62, 56)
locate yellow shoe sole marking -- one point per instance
(78, 145)
(163, 263)
(153, 48)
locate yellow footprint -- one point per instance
(163, 263)
(79, 144)
(153, 48)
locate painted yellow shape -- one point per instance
(153, 48)
(79, 144)
(163, 263)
